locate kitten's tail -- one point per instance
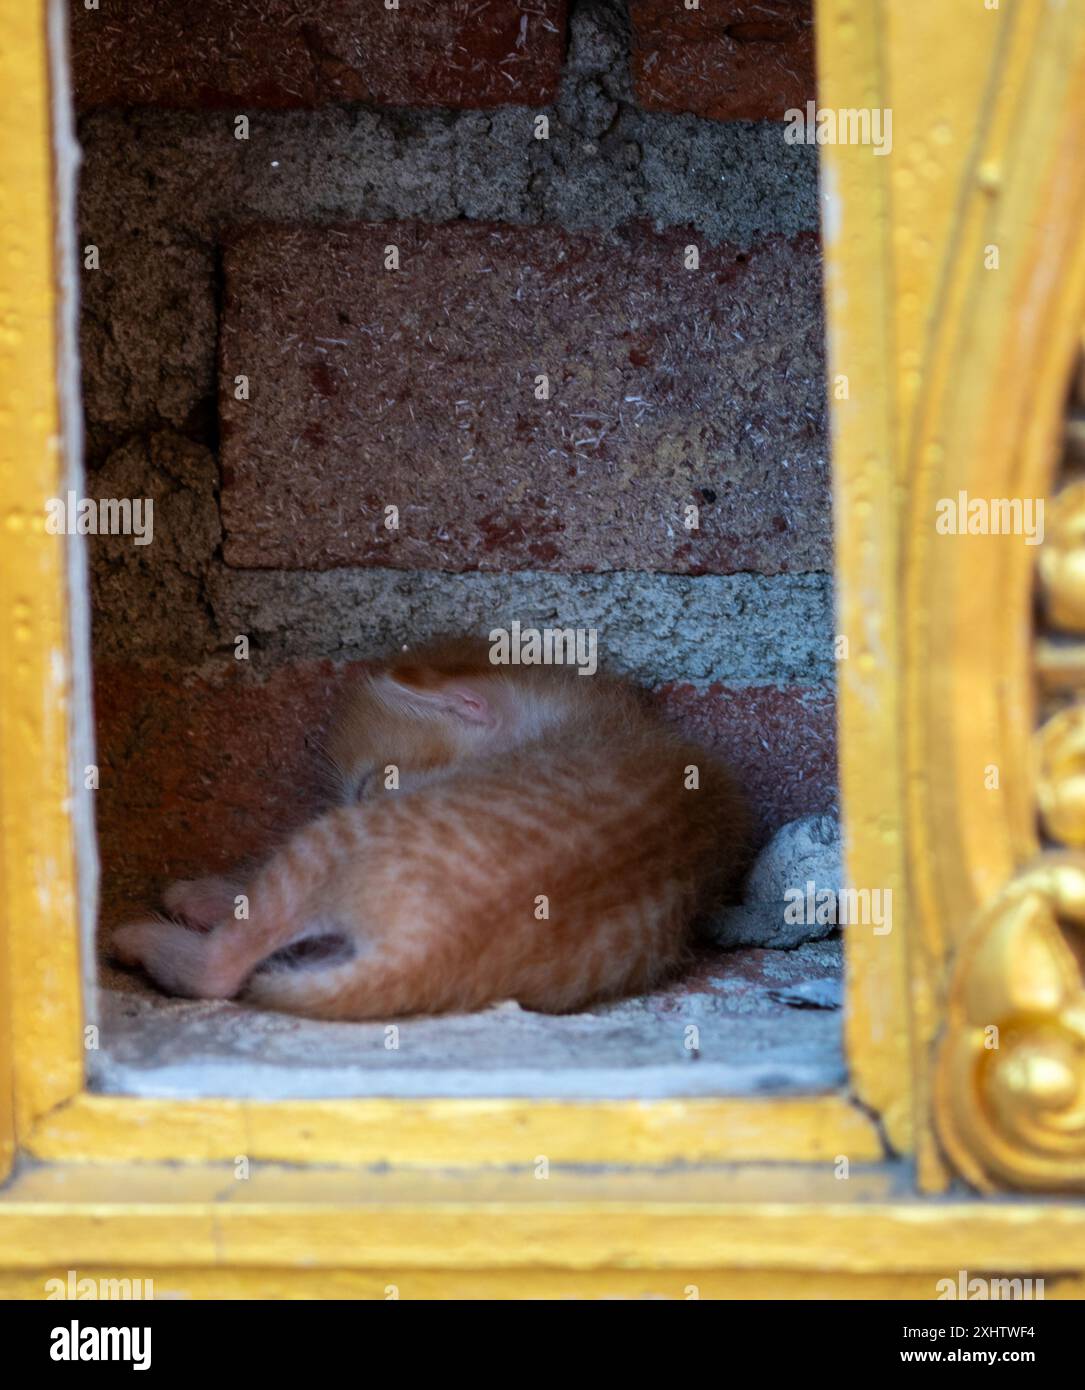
(216, 964)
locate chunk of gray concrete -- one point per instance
(800, 865)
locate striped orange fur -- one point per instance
(549, 841)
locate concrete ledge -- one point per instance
(718, 1034)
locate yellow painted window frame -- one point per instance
(955, 378)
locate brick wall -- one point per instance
(265, 260)
(203, 54)
(729, 59)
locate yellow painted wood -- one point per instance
(39, 926)
(852, 73)
(976, 583)
(782, 1218)
(953, 380)
(1001, 353)
(38, 906)
(956, 379)
(495, 1285)
(817, 1129)
(38, 934)
(944, 66)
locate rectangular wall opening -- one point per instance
(545, 280)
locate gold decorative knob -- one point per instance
(1060, 779)
(1010, 1090)
(1062, 559)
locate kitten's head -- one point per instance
(432, 709)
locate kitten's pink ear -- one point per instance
(427, 691)
(461, 699)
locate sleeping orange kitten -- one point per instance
(545, 844)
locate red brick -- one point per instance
(241, 54)
(199, 775)
(731, 60)
(781, 742)
(415, 388)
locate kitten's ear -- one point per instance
(429, 692)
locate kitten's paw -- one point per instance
(127, 943)
(179, 959)
(201, 901)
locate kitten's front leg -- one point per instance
(181, 955)
(182, 960)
